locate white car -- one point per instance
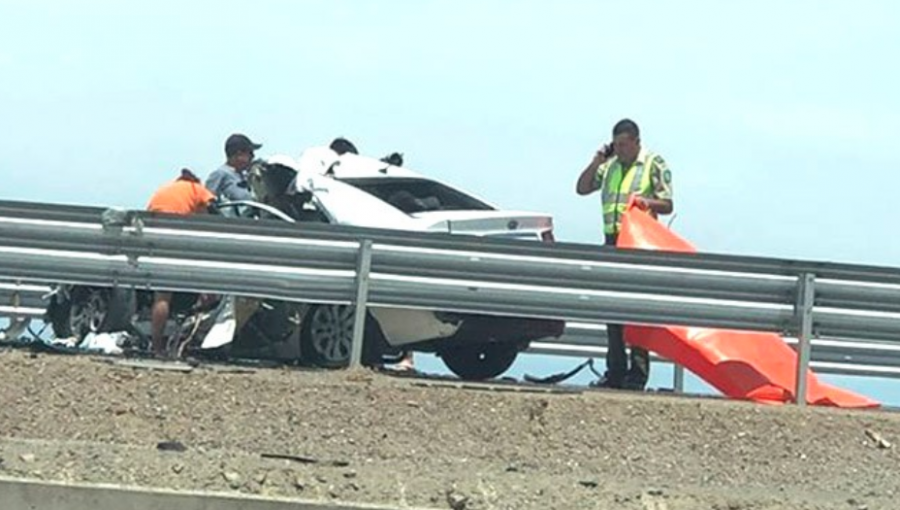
(361, 191)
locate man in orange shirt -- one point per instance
(185, 195)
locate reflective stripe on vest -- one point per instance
(618, 188)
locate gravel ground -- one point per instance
(361, 436)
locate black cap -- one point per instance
(239, 143)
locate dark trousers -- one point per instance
(617, 362)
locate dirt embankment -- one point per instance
(367, 437)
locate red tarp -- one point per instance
(742, 365)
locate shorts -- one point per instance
(182, 300)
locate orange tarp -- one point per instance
(742, 365)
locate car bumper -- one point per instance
(509, 329)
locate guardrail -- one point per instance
(326, 263)
(22, 300)
(829, 356)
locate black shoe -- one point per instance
(634, 383)
(605, 382)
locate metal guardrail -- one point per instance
(829, 356)
(22, 300)
(581, 340)
(568, 251)
(577, 283)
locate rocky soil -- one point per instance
(363, 436)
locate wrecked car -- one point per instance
(346, 190)
(362, 191)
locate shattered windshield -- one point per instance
(412, 195)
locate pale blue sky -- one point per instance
(765, 110)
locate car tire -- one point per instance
(93, 310)
(480, 362)
(326, 338)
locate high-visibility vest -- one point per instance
(619, 184)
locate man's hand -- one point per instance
(641, 203)
(602, 155)
(587, 181)
(655, 205)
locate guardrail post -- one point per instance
(363, 265)
(678, 378)
(804, 320)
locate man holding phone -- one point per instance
(622, 169)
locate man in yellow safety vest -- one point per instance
(622, 169)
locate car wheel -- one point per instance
(327, 337)
(480, 362)
(93, 310)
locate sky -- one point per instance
(767, 112)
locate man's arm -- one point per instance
(661, 177)
(234, 190)
(657, 205)
(203, 199)
(588, 181)
(229, 185)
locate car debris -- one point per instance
(305, 460)
(879, 441)
(171, 446)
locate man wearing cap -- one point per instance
(229, 181)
